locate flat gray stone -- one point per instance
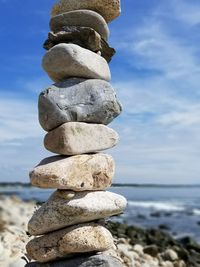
(83, 36)
(75, 138)
(69, 60)
(82, 238)
(77, 173)
(109, 9)
(66, 208)
(100, 260)
(76, 99)
(84, 18)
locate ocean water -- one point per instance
(175, 209)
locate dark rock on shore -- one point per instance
(156, 214)
(164, 227)
(156, 242)
(151, 250)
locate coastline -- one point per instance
(175, 209)
(136, 246)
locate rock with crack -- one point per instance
(76, 99)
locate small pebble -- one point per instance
(169, 255)
(167, 264)
(179, 264)
(139, 249)
(66, 195)
(151, 250)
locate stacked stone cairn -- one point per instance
(69, 228)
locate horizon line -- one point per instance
(114, 184)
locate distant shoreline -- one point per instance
(13, 184)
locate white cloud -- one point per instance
(21, 137)
(160, 130)
(18, 118)
(187, 11)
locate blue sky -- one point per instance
(156, 73)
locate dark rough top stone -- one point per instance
(83, 36)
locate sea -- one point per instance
(175, 209)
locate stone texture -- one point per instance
(81, 238)
(77, 173)
(76, 99)
(66, 208)
(85, 18)
(74, 138)
(70, 60)
(109, 9)
(83, 36)
(99, 260)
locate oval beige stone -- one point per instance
(85, 18)
(81, 238)
(65, 208)
(109, 9)
(69, 60)
(74, 138)
(77, 173)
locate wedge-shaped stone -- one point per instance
(69, 60)
(84, 18)
(69, 241)
(100, 260)
(84, 36)
(66, 208)
(109, 9)
(74, 138)
(77, 173)
(77, 99)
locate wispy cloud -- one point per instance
(161, 126)
(18, 118)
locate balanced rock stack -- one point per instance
(75, 112)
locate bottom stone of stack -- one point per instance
(100, 260)
(82, 238)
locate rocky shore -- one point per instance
(136, 247)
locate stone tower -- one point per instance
(69, 228)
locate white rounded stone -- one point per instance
(74, 138)
(69, 60)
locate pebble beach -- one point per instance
(136, 247)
